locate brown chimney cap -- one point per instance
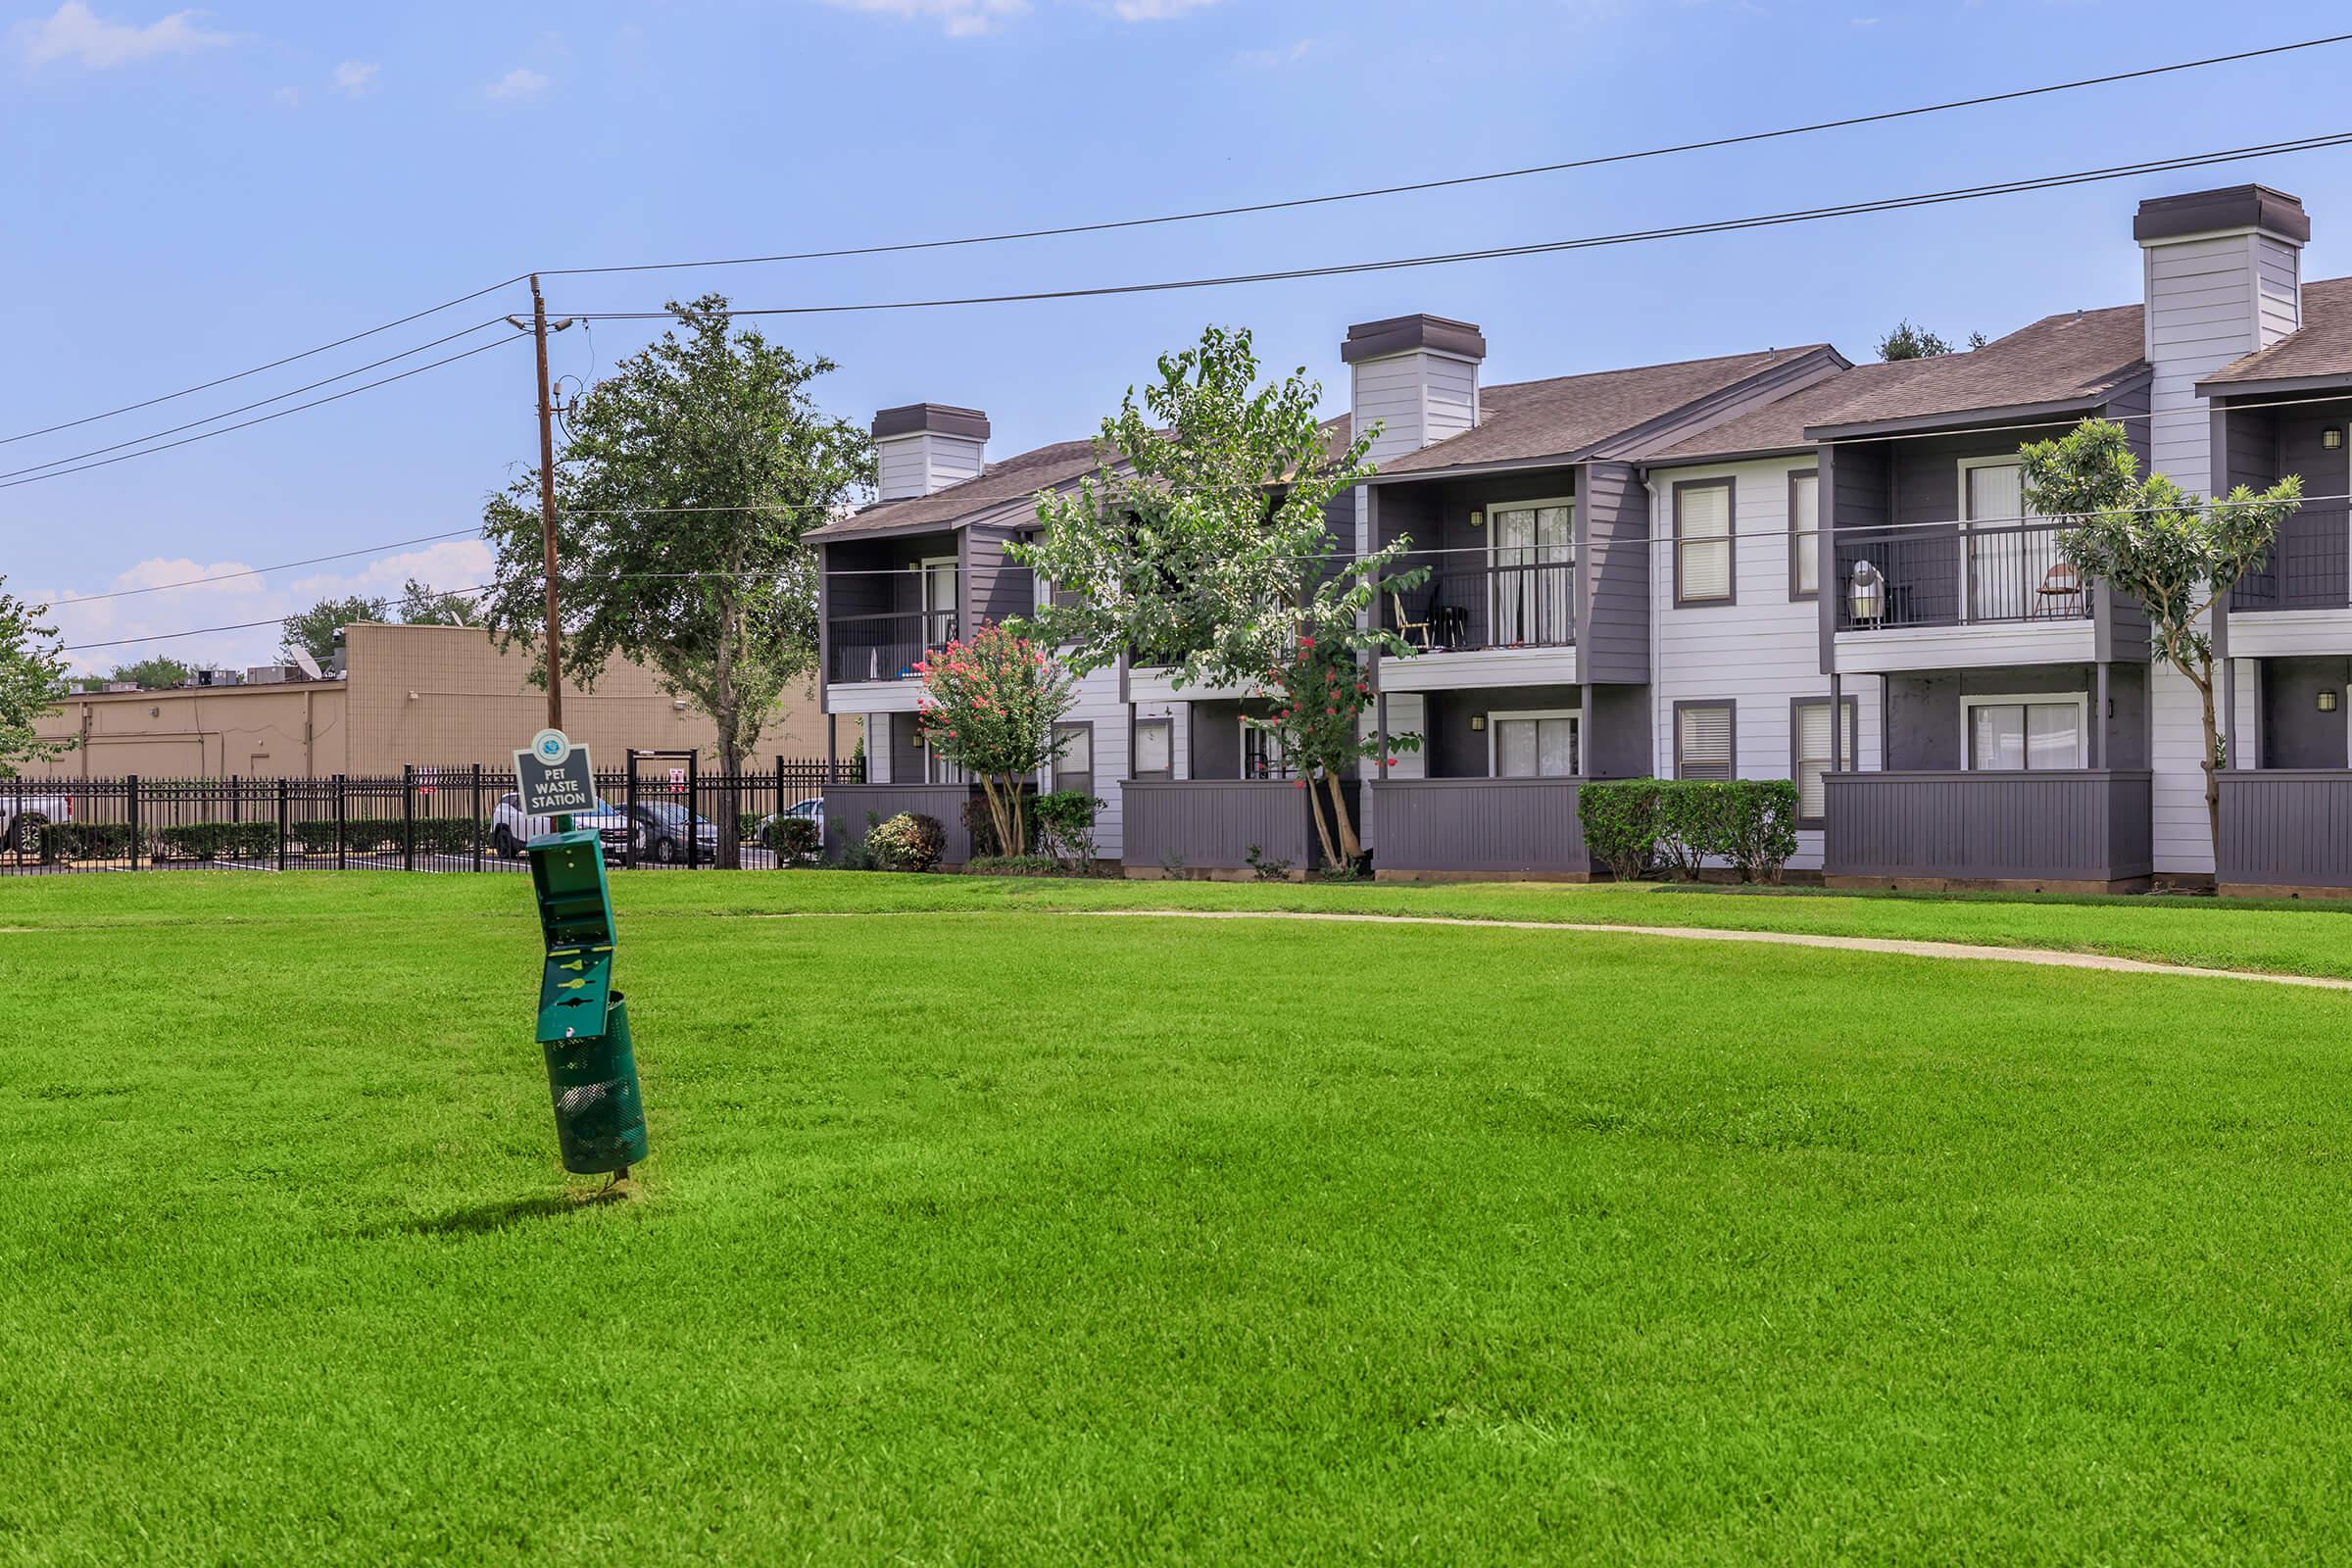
(931, 418)
(1402, 334)
(2204, 212)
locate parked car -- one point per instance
(812, 811)
(510, 829)
(662, 829)
(22, 816)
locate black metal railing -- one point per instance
(2308, 567)
(1962, 575)
(1500, 604)
(660, 811)
(885, 647)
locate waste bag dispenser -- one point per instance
(583, 1022)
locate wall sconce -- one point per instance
(2326, 700)
(1477, 519)
(1478, 722)
(2333, 437)
(678, 705)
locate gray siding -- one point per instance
(994, 587)
(2287, 828)
(1451, 748)
(1613, 576)
(847, 806)
(1621, 740)
(2032, 827)
(1210, 825)
(2295, 734)
(1515, 825)
(1923, 719)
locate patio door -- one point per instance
(1530, 551)
(939, 601)
(1997, 545)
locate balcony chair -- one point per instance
(1412, 631)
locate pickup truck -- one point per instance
(23, 815)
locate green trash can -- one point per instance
(600, 1116)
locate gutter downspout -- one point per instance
(1657, 606)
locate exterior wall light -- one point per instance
(1478, 722)
(1477, 519)
(2327, 700)
(2333, 437)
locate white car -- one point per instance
(511, 830)
(22, 816)
(812, 811)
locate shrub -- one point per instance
(1621, 824)
(213, 841)
(86, 841)
(1691, 824)
(1758, 821)
(1065, 827)
(1014, 866)
(909, 842)
(981, 823)
(1264, 866)
(792, 838)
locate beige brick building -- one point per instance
(429, 695)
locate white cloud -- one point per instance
(1275, 59)
(516, 85)
(961, 18)
(356, 79)
(76, 33)
(1155, 10)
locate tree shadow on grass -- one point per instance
(481, 1219)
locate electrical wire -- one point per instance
(1543, 247)
(283, 566)
(1565, 166)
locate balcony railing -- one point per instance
(1487, 826)
(885, 647)
(1504, 604)
(2306, 565)
(1966, 574)
(2068, 827)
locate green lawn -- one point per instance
(975, 1232)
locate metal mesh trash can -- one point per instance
(600, 1116)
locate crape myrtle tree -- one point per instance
(989, 706)
(684, 486)
(32, 675)
(1202, 542)
(2176, 553)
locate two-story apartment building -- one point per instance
(1772, 564)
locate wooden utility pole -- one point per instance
(547, 508)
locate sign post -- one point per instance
(583, 1024)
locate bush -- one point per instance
(1621, 824)
(983, 828)
(1014, 866)
(215, 841)
(1065, 827)
(1750, 822)
(909, 842)
(792, 838)
(86, 841)
(382, 835)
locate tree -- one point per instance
(31, 679)
(1203, 542)
(313, 630)
(157, 673)
(422, 605)
(685, 484)
(2176, 553)
(1908, 342)
(989, 706)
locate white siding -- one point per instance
(1761, 651)
(910, 466)
(1097, 702)
(1416, 398)
(877, 747)
(2210, 298)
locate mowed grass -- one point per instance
(994, 1234)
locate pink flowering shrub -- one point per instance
(1319, 698)
(989, 706)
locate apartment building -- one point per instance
(1771, 563)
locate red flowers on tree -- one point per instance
(989, 707)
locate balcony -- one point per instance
(2064, 830)
(1503, 604)
(877, 648)
(1957, 576)
(2307, 566)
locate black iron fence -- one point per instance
(885, 647)
(2308, 567)
(1964, 575)
(660, 811)
(1506, 603)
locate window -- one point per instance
(1804, 534)
(1809, 753)
(1703, 740)
(1703, 541)
(2006, 563)
(1530, 550)
(1261, 754)
(2012, 734)
(1154, 748)
(1539, 745)
(1074, 757)
(940, 578)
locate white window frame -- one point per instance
(1495, 561)
(1271, 742)
(955, 610)
(1968, 723)
(1575, 718)
(2026, 513)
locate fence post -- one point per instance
(694, 799)
(131, 811)
(779, 813)
(629, 808)
(407, 816)
(236, 798)
(477, 816)
(282, 824)
(342, 860)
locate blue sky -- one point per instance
(194, 192)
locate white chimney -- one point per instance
(2225, 278)
(1417, 376)
(926, 447)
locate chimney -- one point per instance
(1417, 376)
(926, 447)
(2224, 274)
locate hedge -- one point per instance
(1633, 824)
(909, 842)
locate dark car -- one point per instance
(662, 829)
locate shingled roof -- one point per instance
(2321, 351)
(1039, 468)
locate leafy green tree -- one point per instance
(152, 674)
(422, 605)
(1908, 342)
(1202, 542)
(32, 675)
(684, 488)
(313, 630)
(989, 706)
(2176, 553)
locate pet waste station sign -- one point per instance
(554, 777)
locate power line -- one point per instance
(1548, 247)
(1595, 161)
(283, 566)
(332, 396)
(289, 359)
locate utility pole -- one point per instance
(547, 503)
